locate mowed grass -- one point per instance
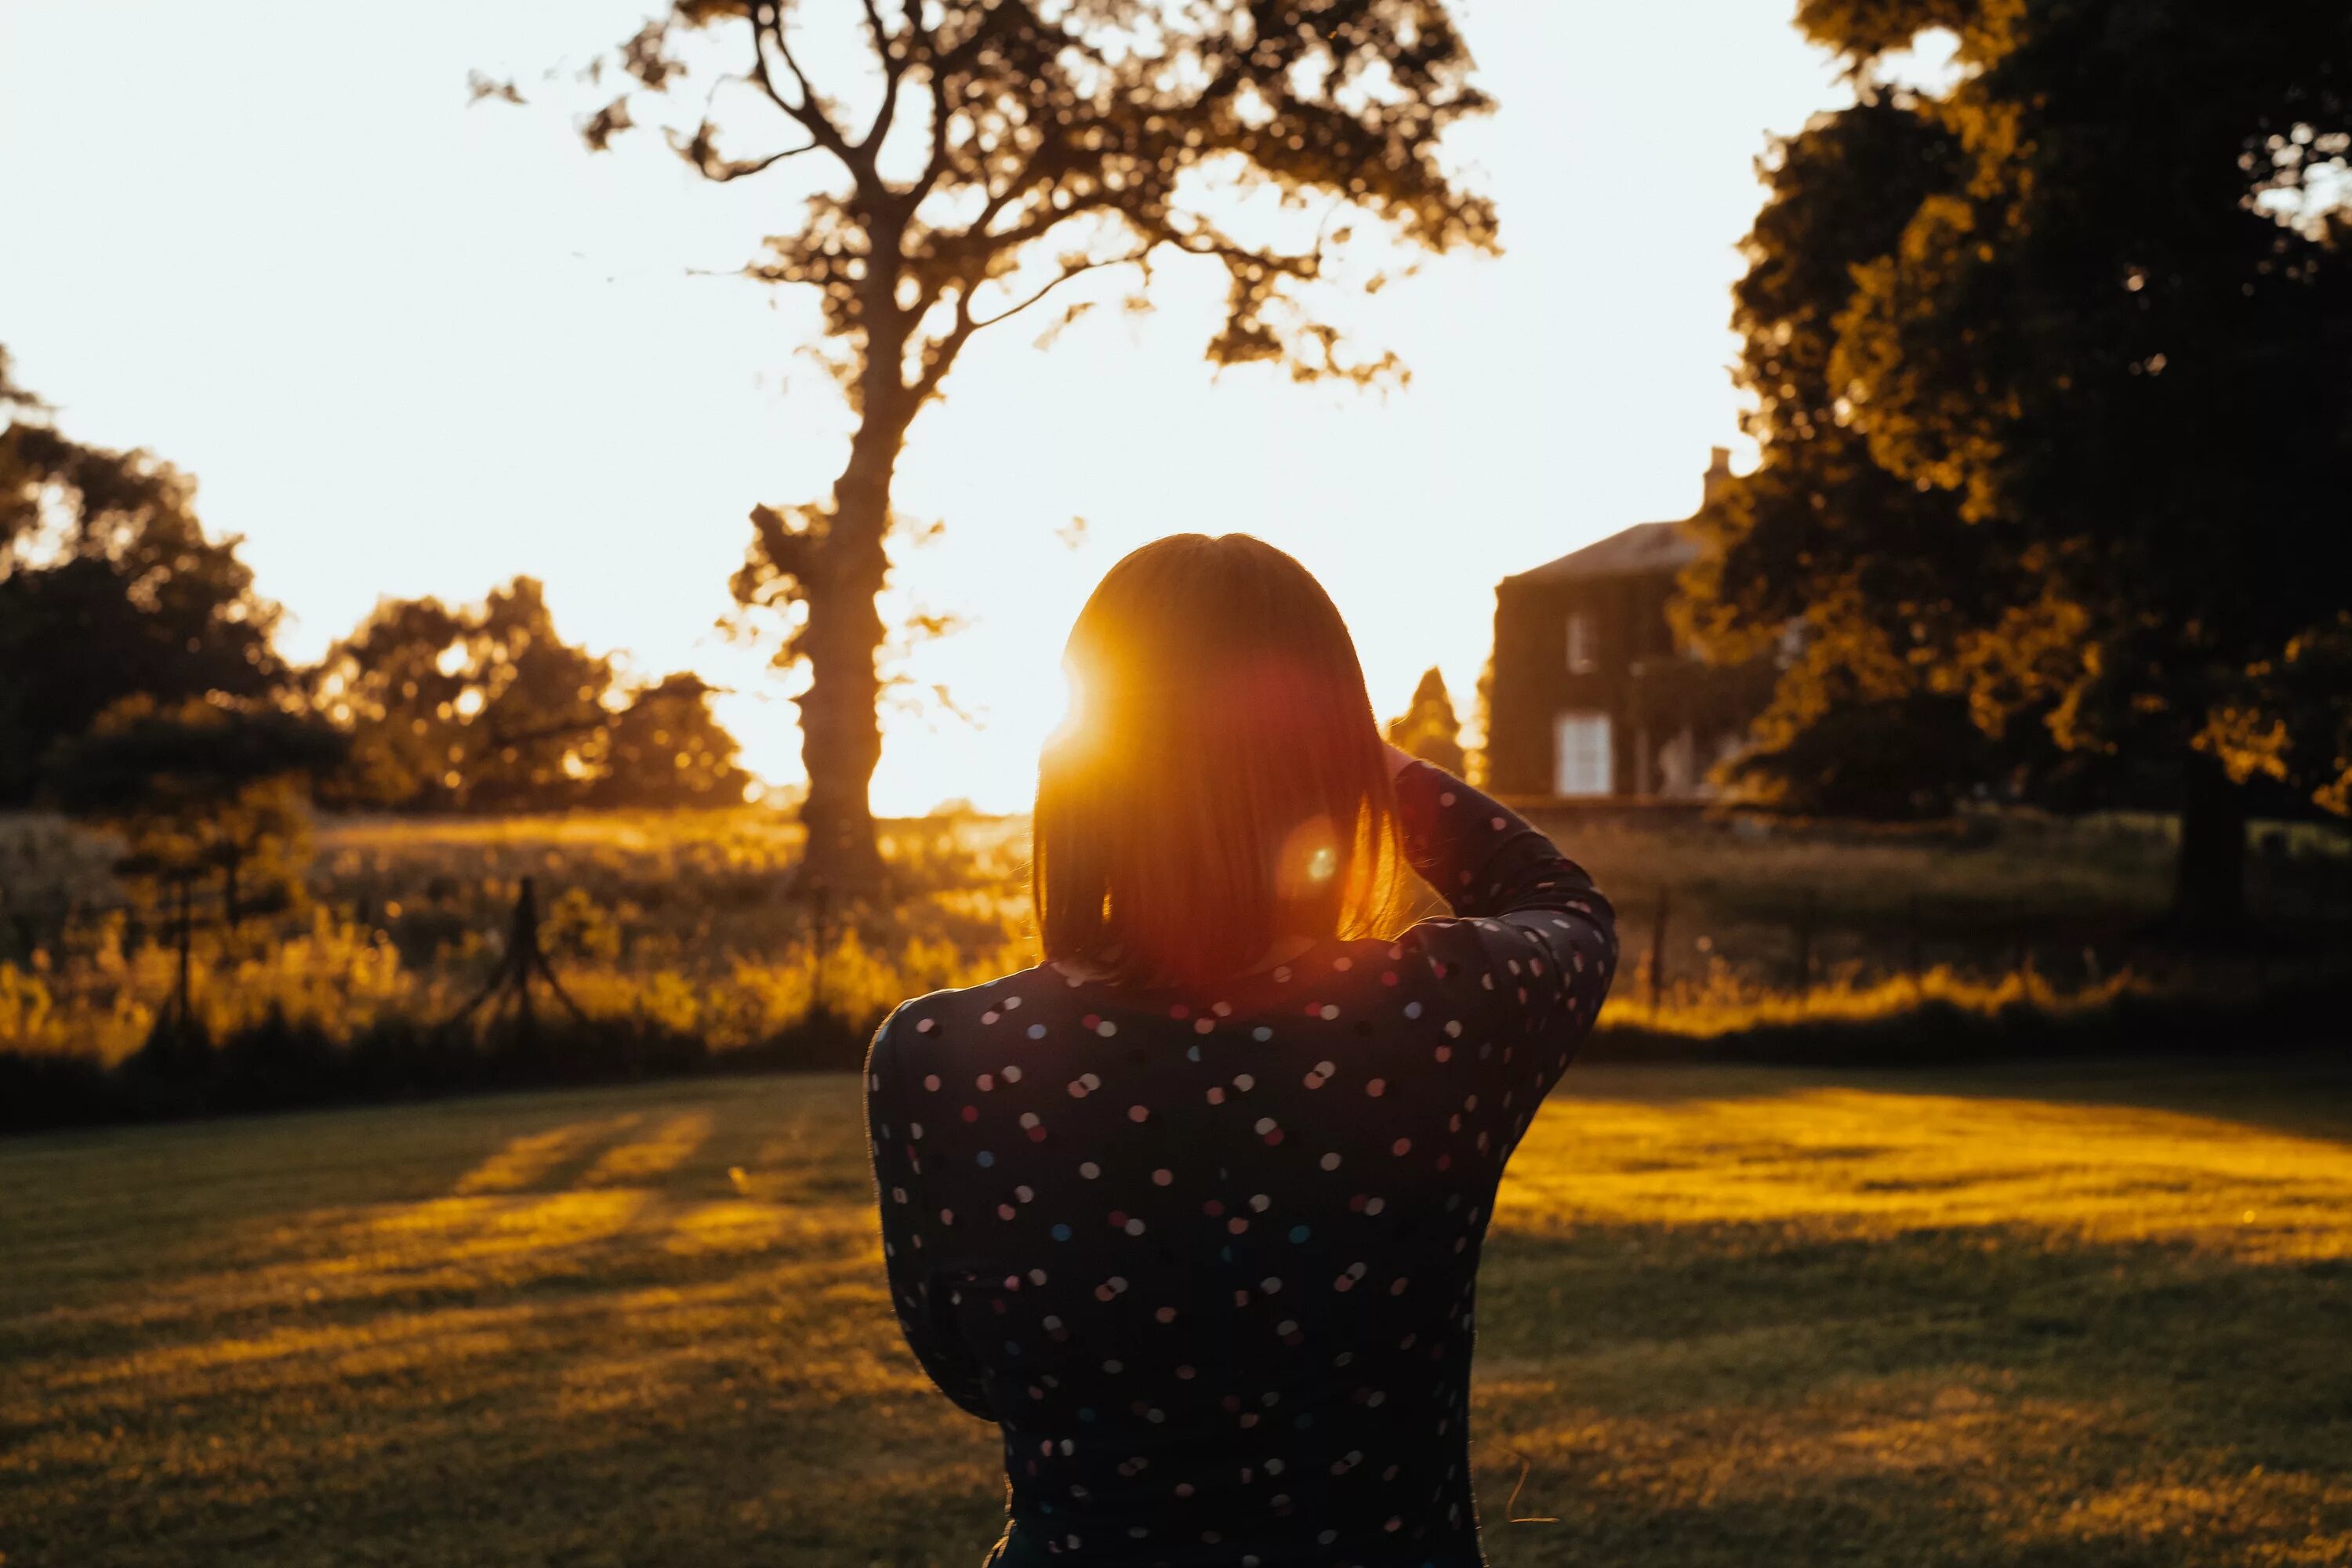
(1729, 1316)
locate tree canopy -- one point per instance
(108, 588)
(1429, 729)
(2049, 380)
(979, 159)
(486, 707)
(199, 786)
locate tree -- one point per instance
(1000, 151)
(201, 786)
(667, 749)
(2049, 380)
(108, 588)
(1428, 729)
(486, 707)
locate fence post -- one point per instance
(1658, 951)
(1805, 945)
(522, 945)
(821, 909)
(522, 959)
(181, 1003)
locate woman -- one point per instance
(1192, 1210)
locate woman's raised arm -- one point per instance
(1533, 945)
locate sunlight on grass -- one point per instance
(1877, 1161)
(1728, 1316)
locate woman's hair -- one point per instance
(1220, 782)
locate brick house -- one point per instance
(1593, 694)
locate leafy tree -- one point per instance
(1481, 762)
(1428, 729)
(1878, 757)
(486, 707)
(108, 588)
(198, 787)
(667, 749)
(1000, 150)
(1865, 720)
(2049, 380)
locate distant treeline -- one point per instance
(118, 612)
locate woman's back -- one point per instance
(1208, 1255)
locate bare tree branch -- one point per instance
(894, 71)
(940, 356)
(700, 152)
(768, 21)
(1067, 273)
(938, 68)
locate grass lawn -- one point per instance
(2096, 1315)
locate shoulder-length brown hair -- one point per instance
(1220, 782)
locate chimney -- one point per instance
(1718, 472)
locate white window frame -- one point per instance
(1584, 754)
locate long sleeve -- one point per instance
(915, 1231)
(1484, 857)
(1533, 946)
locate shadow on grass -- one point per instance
(1740, 1393)
(647, 1326)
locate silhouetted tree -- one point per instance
(667, 749)
(198, 788)
(1000, 150)
(486, 707)
(1481, 762)
(1428, 729)
(2051, 389)
(108, 588)
(1819, 534)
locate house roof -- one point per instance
(1644, 547)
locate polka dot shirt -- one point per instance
(1209, 1260)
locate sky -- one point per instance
(412, 346)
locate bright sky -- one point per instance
(409, 347)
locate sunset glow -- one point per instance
(409, 347)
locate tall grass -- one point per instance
(674, 931)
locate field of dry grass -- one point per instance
(672, 921)
(1730, 1316)
(678, 922)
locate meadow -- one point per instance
(678, 925)
(2016, 1315)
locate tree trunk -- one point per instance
(2209, 883)
(841, 732)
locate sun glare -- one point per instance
(1068, 723)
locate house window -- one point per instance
(1583, 647)
(1678, 775)
(1583, 764)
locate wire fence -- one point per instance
(1673, 953)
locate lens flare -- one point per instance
(1309, 865)
(1068, 726)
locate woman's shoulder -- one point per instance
(916, 1027)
